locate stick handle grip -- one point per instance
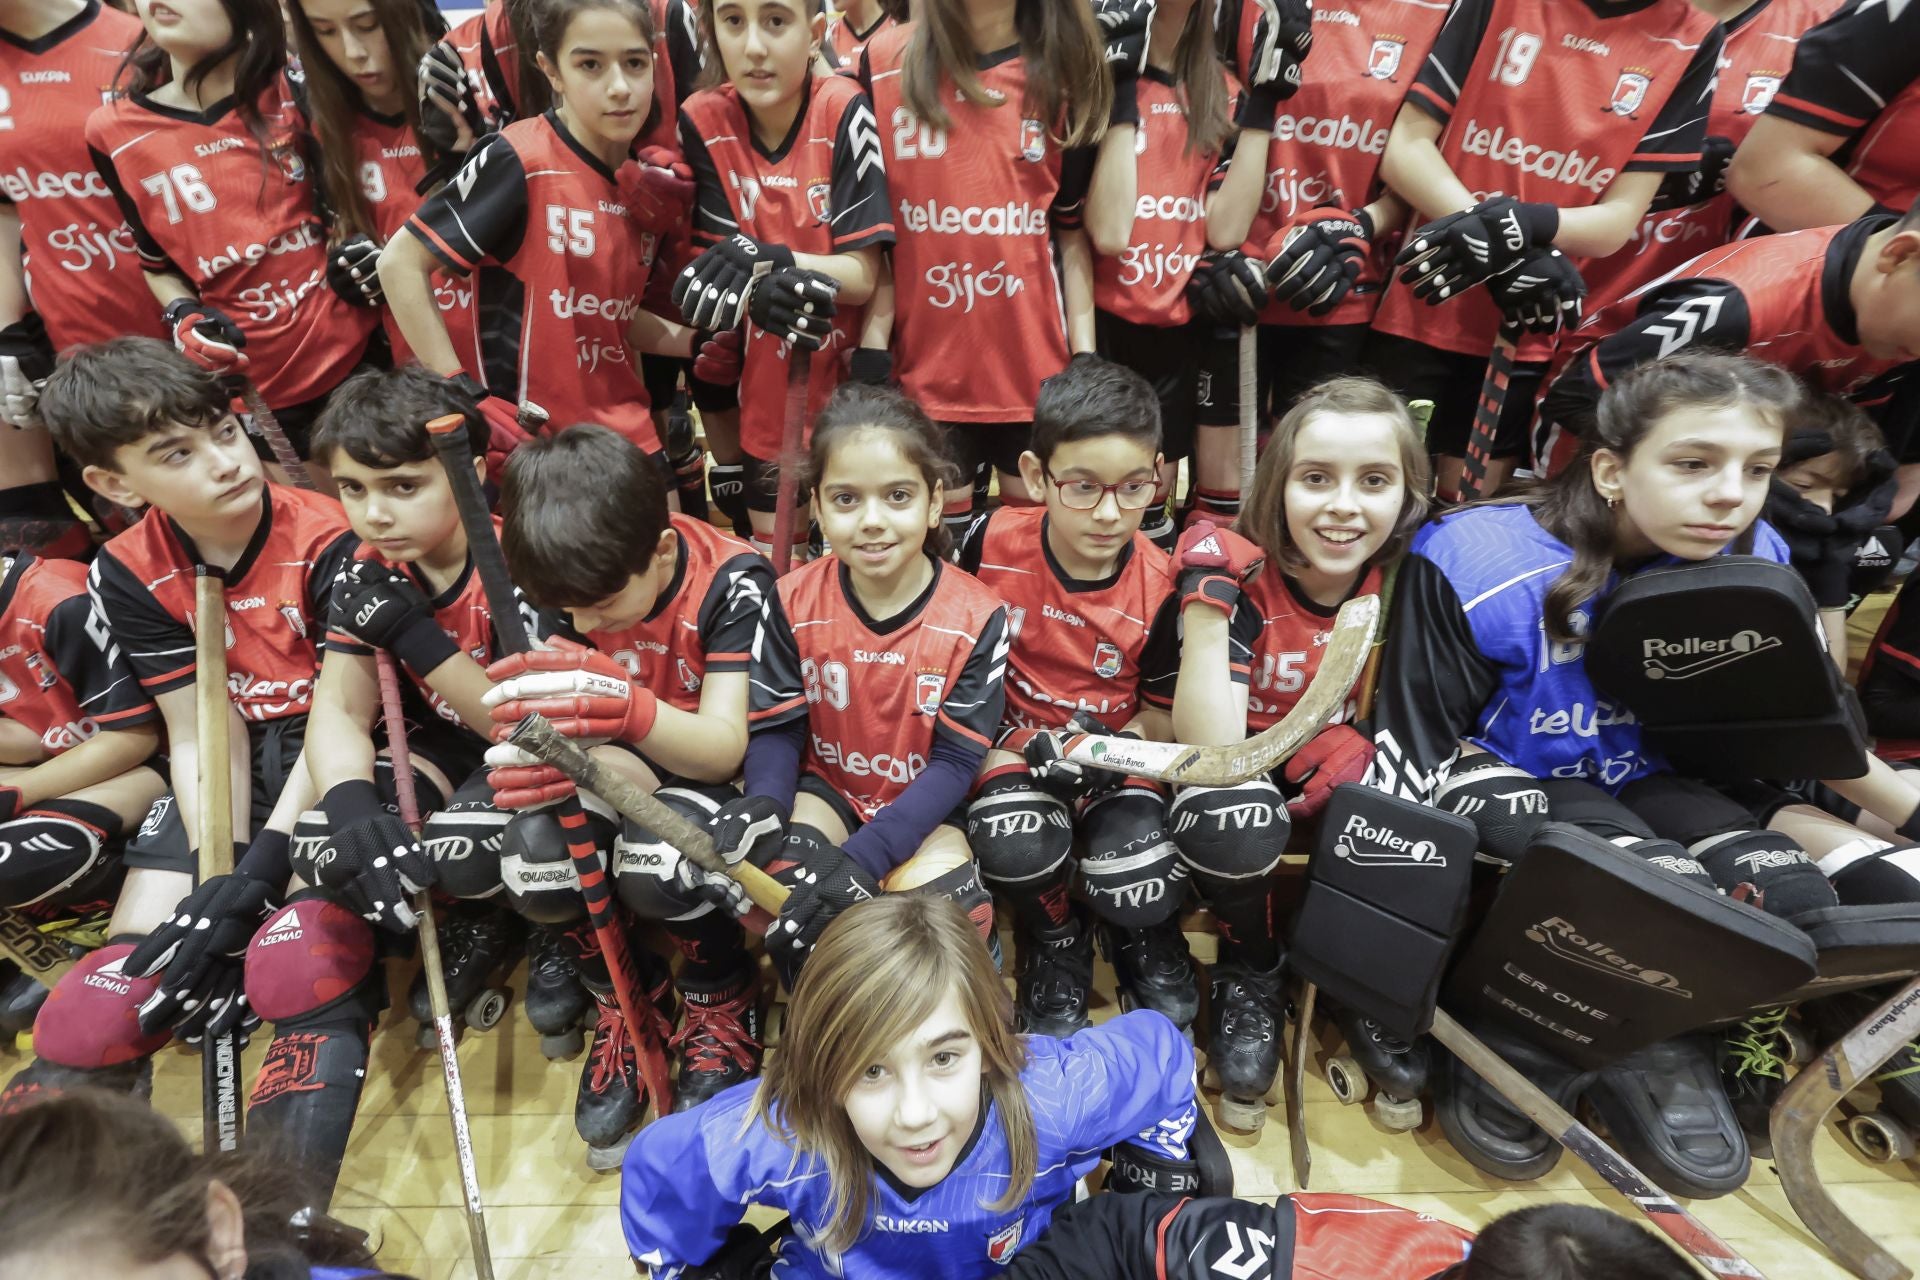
(212, 714)
(449, 436)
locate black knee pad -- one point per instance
(1787, 879)
(463, 837)
(1869, 872)
(727, 482)
(1586, 806)
(962, 886)
(536, 869)
(1021, 835)
(1131, 872)
(1230, 837)
(1505, 805)
(57, 851)
(644, 864)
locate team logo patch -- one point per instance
(1383, 60)
(1033, 141)
(688, 680)
(1016, 618)
(8, 689)
(1002, 1245)
(1761, 86)
(287, 156)
(817, 200)
(43, 672)
(291, 612)
(1106, 660)
(927, 691)
(1629, 91)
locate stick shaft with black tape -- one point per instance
(793, 434)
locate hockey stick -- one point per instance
(1249, 409)
(793, 431)
(1227, 766)
(536, 736)
(220, 1116)
(1297, 1084)
(1486, 414)
(32, 952)
(449, 436)
(1802, 1109)
(277, 442)
(1685, 1230)
(396, 721)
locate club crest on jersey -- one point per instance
(688, 680)
(291, 612)
(287, 156)
(43, 672)
(1002, 1245)
(1016, 618)
(8, 689)
(817, 195)
(927, 690)
(1383, 60)
(1106, 660)
(1761, 86)
(1629, 91)
(1033, 141)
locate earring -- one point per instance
(1613, 500)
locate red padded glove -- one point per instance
(584, 692)
(658, 188)
(1337, 754)
(1212, 564)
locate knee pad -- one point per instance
(1021, 835)
(1686, 811)
(1870, 872)
(1592, 810)
(536, 869)
(1131, 872)
(425, 790)
(1228, 836)
(962, 885)
(464, 840)
(92, 1016)
(644, 864)
(312, 845)
(312, 957)
(1505, 805)
(1787, 879)
(55, 850)
(727, 481)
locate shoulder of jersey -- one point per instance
(810, 578)
(1485, 546)
(108, 119)
(311, 514)
(884, 50)
(830, 93)
(718, 102)
(961, 587)
(62, 577)
(715, 545)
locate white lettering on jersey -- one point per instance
(575, 303)
(1569, 167)
(20, 185)
(79, 249)
(1010, 219)
(1343, 134)
(954, 284)
(306, 236)
(1154, 265)
(860, 765)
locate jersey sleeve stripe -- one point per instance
(1430, 102)
(167, 681)
(798, 700)
(956, 727)
(1813, 115)
(1899, 655)
(441, 249)
(127, 718)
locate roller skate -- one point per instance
(557, 1005)
(721, 1042)
(1397, 1069)
(1754, 1070)
(1154, 970)
(479, 943)
(1884, 1134)
(614, 1089)
(1055, 979)
(1246, 1017)
(1484, 1127)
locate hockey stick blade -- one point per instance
(1230, 765)
(1801, 1111)
(1486, 414)
(1685, 1230)
(32, 952)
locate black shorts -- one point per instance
(1452, 381)
(1168, 357)
(974, 445)
(162, 842)
(820, 789)
(661, 374)
(1295, 358)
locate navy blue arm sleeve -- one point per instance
(772, 766)
(895, 835)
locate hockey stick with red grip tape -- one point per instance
(396, 721)
(277, 441)
(1486, 413)
(793, 434)
(449, 436)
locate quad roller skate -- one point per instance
(1055, 979)
(557, 1005)
(722, 1040)
(1397, 1070)
(1885, 1134)
(479, 944)
(1245, 1020)
(1153, 970)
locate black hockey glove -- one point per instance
(712, 292)
(1456, 252)
(380, 608)
(1125, 28)
(370, 859)
(1227, 288)
(1541, 294)
(201, 949)
(1697, 185)
(446, 93)
(795, 306)
(353, 271)
(26, 359)
(1282, 38)
(747, 1254)
(751, 829)
(823, 886)
(1318, 259)
(871, 365)
(1068, 779)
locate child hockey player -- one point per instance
(1089, 608)
(671, 610)
(904, 1126)
(878, 687)
(1341, 488)
(788, 170)
(852, 24)
(213, 168)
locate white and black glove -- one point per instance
(1541, 293)
(1068, 779)
(1318, 259)
(376, 865)
(202, 948)
(1699, 184)
(1126, 27)
(1228, 288)
(1454, 253)
(1282, 38)
(26, 358)
(712, 293)
(353, 271)
(796, 305)
(826, 884)
(447, 100)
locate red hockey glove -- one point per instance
(718, 357)
(1337, 754)
(521, 780)
(658, 188)
(207, 336)
(1211, 565)
(583, 691)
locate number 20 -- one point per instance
(931, 143)
(1514, 61)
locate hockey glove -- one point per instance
(522, 780)
(1068, 779)
(827, 884)
(712, 292)
(1697, 185)
(1337, 754)
(871, 365)
(507, 424)
(353, 271)
(201, 949)
(1315, 261)
(1282, 38)
(1212, 565)
(1125, 28)
(747, 1254)
(1540, 295)
(1463, 249)
(1227, 288)
(796, 306)
(586, 693)
(448, 107)
(382, 609)
(751, 829)
(377, 865)
(718, 358)
(26, 359)
(206, 336)
(1822, 545)
(1506, 805)
(658, 189)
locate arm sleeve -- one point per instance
(776, 691)
(1434, 682)
(481, 214)
(1160, 655)
(1437, 87)
(1848, 68)
(1128, 1080)
(974, 544)
(1892, 400)
(731, 615)
(861, 212)
(1113, 1235)
(158, 646)
(84, 654)
(970, 711)
(688, 1177)
(895, 834)
(1672, 142)
(1076, 176)
(713, 219)
(772, 766)
(1243, 632)
(152, 256)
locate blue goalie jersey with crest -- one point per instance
(689, 1177)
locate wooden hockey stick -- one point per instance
(1685, 1230)
(32, 952)
(449, 436)
(1486, 414)
(221, 1120)
(277, 442)
(1249, 408)
(793, 431)
(396, 722)
(1802, 1109)
(1297, 1084)
(1227, 766)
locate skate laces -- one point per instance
(1760, 1046)
(1247, 1002)
(612, 1054)
(715, 1037)
(88, 933)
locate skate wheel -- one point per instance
(486, 1009)
(1127, 1002)
(1348, 1082)
(1800, 1050)
(1243, 1115)
(1880, 1138)
(567, 1044)
(1397, 1115)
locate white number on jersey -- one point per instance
(184, 179)
(570, 230)
(1515, 58)
(911, 138)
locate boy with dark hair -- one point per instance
(671, 609)
(1088, 599)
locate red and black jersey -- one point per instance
(875, 693)
(705, 621)
(61, 674)
(1624, 88)
(1857, 76)
(843, 45)
(1783, 299)
(979, 316)
(1147, 284)
(1328, 138)
(391, 168)
(279, 597)
(83, 269)
(543, 227)
(1077, 645)
(823, 190)
(1759, 50)
(243, 228)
